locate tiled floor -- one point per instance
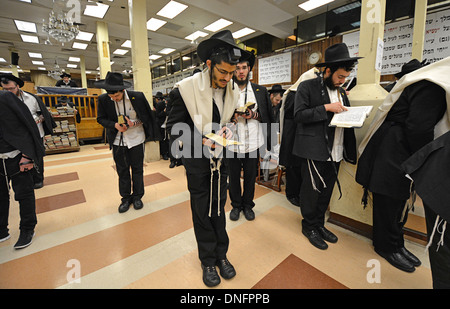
(80, 231)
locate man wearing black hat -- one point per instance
(161, 116)
(65, 81)
(276, 94)
(320, 146)
(20, 146)
(202, 104)
(408, 67)
(129, 123)
(41, 115)
(405, 123)
(253, 138)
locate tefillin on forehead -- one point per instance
(228, 54)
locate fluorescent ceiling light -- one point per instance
(120, 51)
(166, 51)
(74, 59)
(99, 10)
(172, 9)
(84, 36)
(347, 7)
(196, 35)
(154, 24)
(29, 38)
(154, 57)
(25, 26)
(127, 44)
(35, 55)
(243, 32)
(312, 4)
(37, 62)
(79, 45)
(88, 72)
(42, 69)
(70, 65)
(217, 25)
(111, 63)
(2, 60)
(27, 1)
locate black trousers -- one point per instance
(439, 258)
(248, 163)
(125, 159)
(313, 203)
(293, 181)
(23, 187)
(209, 225)
(387, 223)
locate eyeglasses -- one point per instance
(10, 88)
(224, 72)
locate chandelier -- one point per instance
(60, 28)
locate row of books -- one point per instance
(60, 141)
(61, 111)
(64, 126)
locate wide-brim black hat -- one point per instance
(250, 57)
(221, 38)
(410, 66)
(337, 53)
(15, 79)
(276, 89)
(112, 81)
(65, 75)
(64, 99)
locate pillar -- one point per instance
(83, 71)
(420, 17)
(104, 60)
(142, 78)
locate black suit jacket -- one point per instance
(265, 111)
(18, 126)
(107, 116)
(61, 83)
(314, 137)
(48, 123)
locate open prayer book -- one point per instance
(354, 117)
(243, 109)
(221, 140)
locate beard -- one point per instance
(329, 83)
(240, 82)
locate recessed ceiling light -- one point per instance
(79, 45)
(154, 57)
(99, 10)
(42, 69)
(37, 62)
(166, 51)
(2, 60)
(172, 9)
(217, 25)
(70, 65)
(312, 4)
(127, 44)
(84, 36)
(120, 51)
(195, 35)
(154, 24)
(74, 59)
(25, 26)
(35, 55)
(88, 72)
(29, 38)
(243, 32)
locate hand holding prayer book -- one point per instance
(220, 140)
(243, 109)
(353, 117)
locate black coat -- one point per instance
(61, 83)
(286, 157)
(314, 137)
(107, 116)
(430, 169)
(408, 126)
(18, 126)
(48, 123)
(265, 111)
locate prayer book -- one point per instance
(354, 117)
(243, 109)
(221, 140)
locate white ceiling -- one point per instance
(274, 17)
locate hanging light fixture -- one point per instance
(60, 27)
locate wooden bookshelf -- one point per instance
(64, 137)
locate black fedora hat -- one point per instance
(337, 53)
(65, 75)
(112, 81)
(222, 38)
(11, 77)
(64, 99)
(277, 89)
(250, 58)
(410, 66)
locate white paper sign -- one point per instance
(275, 69)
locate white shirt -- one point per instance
(248, 131)
(134, 135)
(34, 108)
(337, 152)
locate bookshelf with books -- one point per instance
(65, 136)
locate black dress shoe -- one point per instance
(315, 239)
(226, 269)
(410, 257)
(137, 204)
(234, 214)
(397, 260)
(294, 201)
(249, 214)
(327, 235)
(172, 164)
(210, 276)
(124, 206)
(38, 185)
